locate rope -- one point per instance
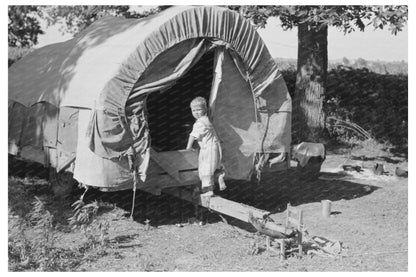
(134, 193)
(86, 189)
(133, 170)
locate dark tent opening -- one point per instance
(169, 115)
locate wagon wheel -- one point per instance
(61, 183)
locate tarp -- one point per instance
(107, 71)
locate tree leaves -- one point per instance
(343, 17)
(23, 27)
(377, 102)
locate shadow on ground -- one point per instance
(275, 191)
(272, 193)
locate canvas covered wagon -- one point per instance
(117, 96)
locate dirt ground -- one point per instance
(369, 218)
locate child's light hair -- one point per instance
(199, 102)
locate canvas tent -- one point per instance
(122, 89)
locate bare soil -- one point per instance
(369, 217)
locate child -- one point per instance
(210, 150)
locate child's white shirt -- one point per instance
(204, 133)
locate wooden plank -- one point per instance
(300, 233)
(282, 249)
(165, 180)
(292, 211)
(300, 219)
(234, 209)
(293, 221)
(180, 159)
(155, 169)
(177, 164)
(219, 204)
(166, 164)
(287, 216)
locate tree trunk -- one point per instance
(308, 113)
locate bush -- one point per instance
(376, 102)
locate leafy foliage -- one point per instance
(347, 18)
(380, 67)
(77, 18)
(43, 220)
(376, 102)
(40, 253)
(33, 232)
(83, 213)
(23, 27)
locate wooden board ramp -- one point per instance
(219, 204)
(257, 217)
(180, 168)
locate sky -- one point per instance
(369, 45)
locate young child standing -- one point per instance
(210, 150)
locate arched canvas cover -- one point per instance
(99, 70)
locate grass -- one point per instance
(75, 235)
(34, 231)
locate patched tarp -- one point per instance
(108, 70)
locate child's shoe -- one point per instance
(221, 181)
(208, 193)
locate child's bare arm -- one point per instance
(190, 142)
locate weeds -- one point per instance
(19, 247)
(83, 214)
(346, 129)
(96, 236)
(33, 236)
(32, 242)
(42, 221)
